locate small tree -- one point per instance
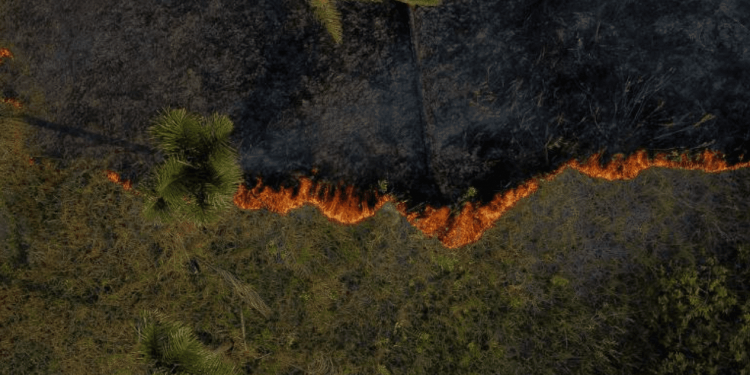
(201, 173)
(169, 347)
(325, 11)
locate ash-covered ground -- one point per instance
(472, 93)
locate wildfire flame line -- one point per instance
(468, 226)
(453, 231)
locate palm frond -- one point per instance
(167, 345)
(198, 214)
(214, 365)
(227, 174)
(170, 180)
(176, 132)
(183, 349)
(325, 11)
(171, 188)
(201, 164)
(221, 127)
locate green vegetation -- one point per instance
(325, 11)
(701, 319)
(200, 163)
(170, 346)
(585, 276)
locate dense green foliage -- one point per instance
(200, 175)
(698, 320)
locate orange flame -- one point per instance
(4, 52)
(453, 231)
(468, 226)
(11, 101)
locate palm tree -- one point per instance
(325, 11)
(200, 175)
(169, 347)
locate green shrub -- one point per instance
(694, 322)
(201, 174)
(169, 346)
